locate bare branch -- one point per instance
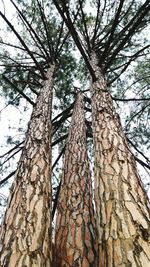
(75, 36)
(112, 30)
(31, 29)
(18, 90)
(12, 149)
(130, 99)
(7, 178)
(140, 152)
(143, 11)
(24, 45)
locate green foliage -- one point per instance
(64, 79)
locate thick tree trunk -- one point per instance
(122, 207)
(26, 230)
(75, 227)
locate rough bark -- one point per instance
(26, 230)
(122, 207)
(75, 227)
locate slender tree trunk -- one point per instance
(75, 227)
(122, 207)
(26, 230)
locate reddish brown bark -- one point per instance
(26, 230)
(122, 207)
(75, 243)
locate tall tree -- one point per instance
(122, 207)
(27, 226)
(75, 243)
(26, 230)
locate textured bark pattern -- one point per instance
(26, 230)
(75, 227)
(123, 211)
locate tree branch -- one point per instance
(75, 36)
(12, 149)
(7, 177)
(59, 139)
(129, 34)
(32, 30)
(140, 152)
(24, 45)
(130, 99)
(112, 30)
(18, 90)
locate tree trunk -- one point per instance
(26, 230)
(75, 227)
(122, 207)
